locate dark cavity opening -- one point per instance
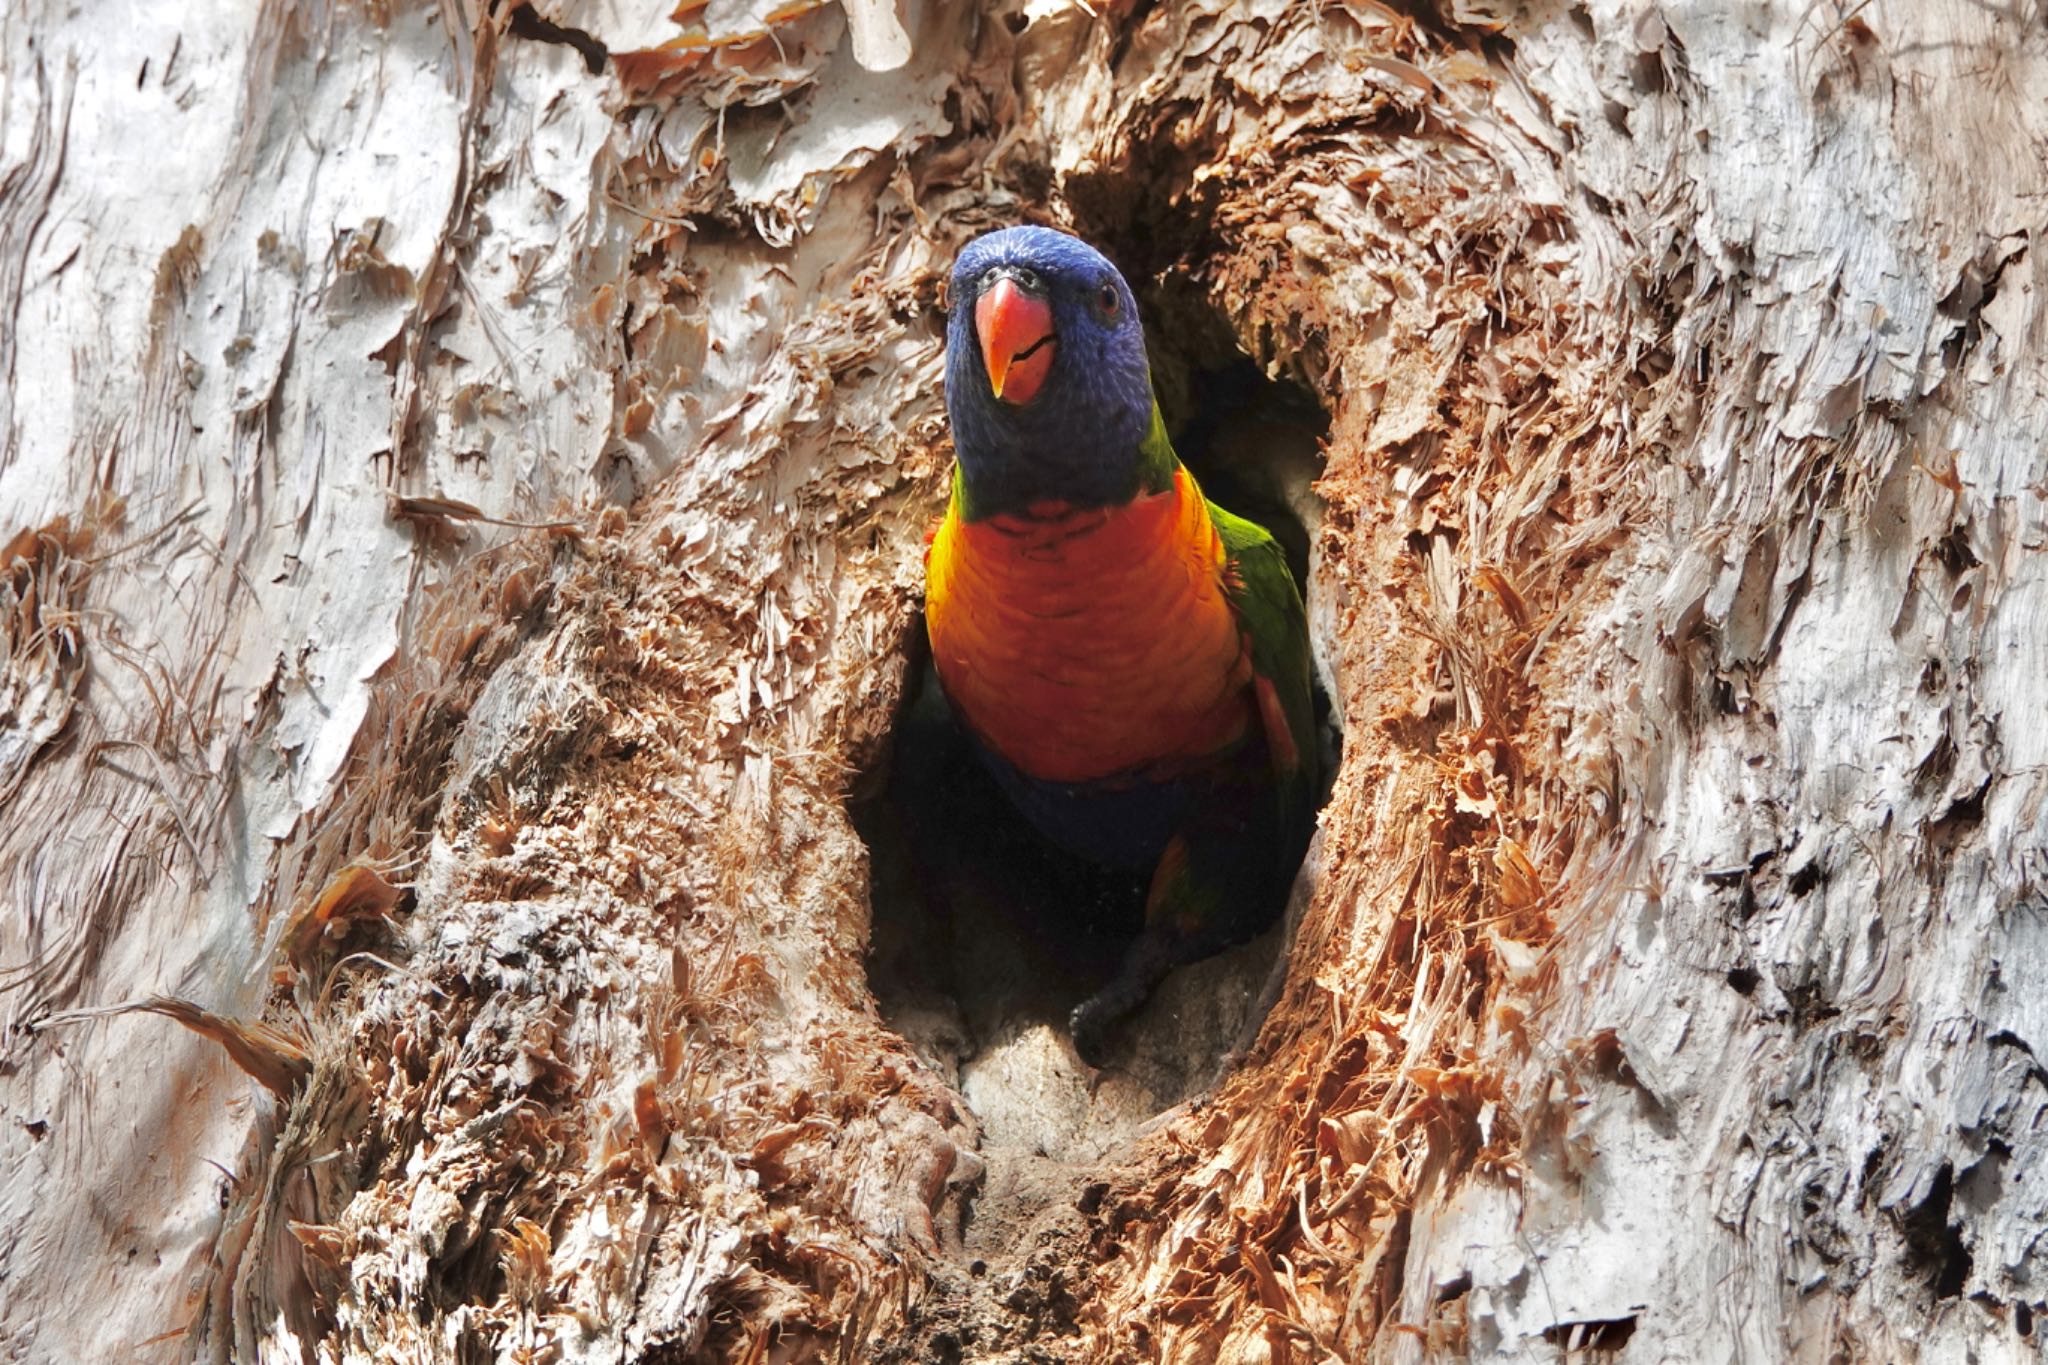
(985, 936)
(1934, 1238)
(1594, 1338)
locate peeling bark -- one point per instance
(463, 476)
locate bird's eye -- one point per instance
(1106, 299)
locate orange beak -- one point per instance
(1017, 340)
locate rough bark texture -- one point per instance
(463, 475)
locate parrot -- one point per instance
(1130, 660)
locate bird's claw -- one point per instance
(1090, 1025)
(1094, 1022)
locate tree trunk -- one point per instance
(470, 467)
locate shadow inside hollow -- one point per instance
(999, 929)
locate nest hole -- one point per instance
(984, 936)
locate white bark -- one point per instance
(1816, 683)
(224, 230)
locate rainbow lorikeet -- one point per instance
(1131, 660)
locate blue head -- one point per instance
(1046, 377)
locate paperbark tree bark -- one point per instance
(463, 473)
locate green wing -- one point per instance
(1262, 590)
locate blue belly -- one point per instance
(1117, 825)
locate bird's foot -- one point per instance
(1095, 1020)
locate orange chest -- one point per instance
(1094, 643)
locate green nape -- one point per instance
(1156, 460)
(1156, 463)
